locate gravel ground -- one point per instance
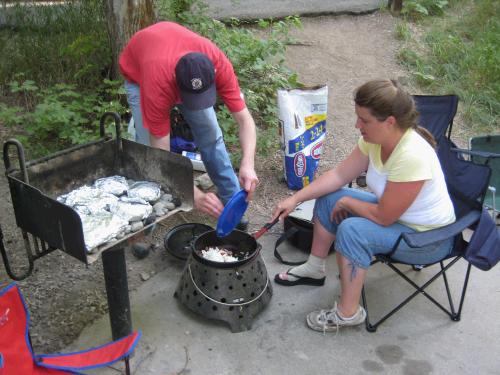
(64, 296)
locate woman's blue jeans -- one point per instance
(359, 239)
(207, 136)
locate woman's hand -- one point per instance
(284, 208)
(339, 213)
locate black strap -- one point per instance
(286, 235)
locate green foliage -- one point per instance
(257, 55)
(63, 116)
(66, 42)
(54, 65)
(421, 8)
(461, 56)
(402, 31)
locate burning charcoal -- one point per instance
(146, 190)
(116, 185)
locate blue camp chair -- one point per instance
(437, 113)
(486, 149)
(467, 184)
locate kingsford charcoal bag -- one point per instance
(302, 115)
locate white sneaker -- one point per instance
(330, 320)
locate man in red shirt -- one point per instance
(165, 65)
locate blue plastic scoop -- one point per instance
(231, 215)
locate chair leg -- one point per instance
(127, 365)
(455, 316)
(464, 289)
(448, 292)
(369, 327)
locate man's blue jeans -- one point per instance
(207, 136)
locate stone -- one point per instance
(204, 181)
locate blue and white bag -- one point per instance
(302, 115)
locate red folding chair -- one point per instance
(17, 356)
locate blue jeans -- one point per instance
(207, 136)
(359, 239)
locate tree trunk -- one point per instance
(124, 19)
(397, 5)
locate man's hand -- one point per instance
(248, 180)
(207, 203)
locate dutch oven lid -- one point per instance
(233, 212)
(179, 240)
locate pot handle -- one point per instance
(265, 228)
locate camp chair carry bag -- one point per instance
(483, 250)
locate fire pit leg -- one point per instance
(115, 276)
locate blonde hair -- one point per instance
(386, 97)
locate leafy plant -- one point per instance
(421, 8)
(63, 116)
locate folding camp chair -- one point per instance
(17, 356)
(486, 149)
(436, 114)
(467, 184)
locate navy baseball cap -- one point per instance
(195, 76)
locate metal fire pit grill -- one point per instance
(232, 292)
(48, 225)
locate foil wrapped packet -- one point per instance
(149, 191)
(116, 185)
(131, 211)
(101, 227)
(94, 199)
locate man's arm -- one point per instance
(205, 202)
(248, 138)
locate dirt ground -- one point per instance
(64, 295)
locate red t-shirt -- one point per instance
(149, 60)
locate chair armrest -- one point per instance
(483, 154)
(421, 239)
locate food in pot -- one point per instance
(216, 254)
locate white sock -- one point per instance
(314, 268)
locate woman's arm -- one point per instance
(395, 200)
(329, 182)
